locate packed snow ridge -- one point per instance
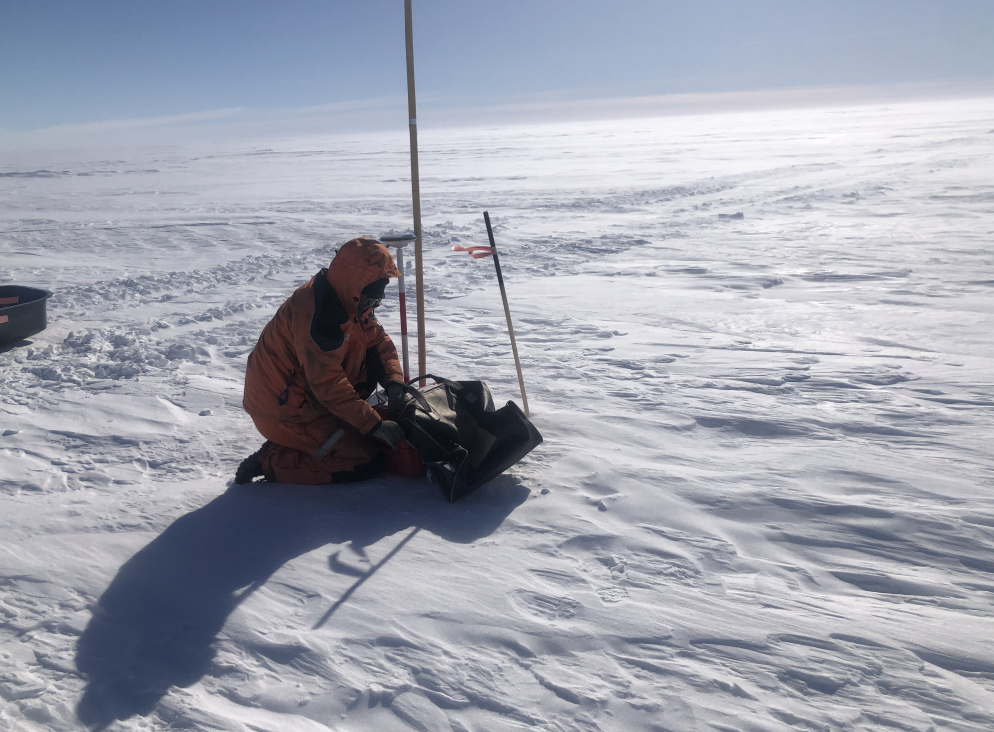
(764, 500)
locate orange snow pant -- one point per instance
(291, 458)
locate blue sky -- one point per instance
(69, 62)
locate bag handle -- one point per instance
(455, 386)
(418, 397)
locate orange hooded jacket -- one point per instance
(317, 350)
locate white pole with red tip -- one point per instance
(398, 243)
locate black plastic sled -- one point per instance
(462, 439)
(22, 312)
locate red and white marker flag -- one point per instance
(475, 252)
(398, 243)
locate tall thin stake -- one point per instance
(507, 312)
(412, 113)
(399, 242)
(402, 296)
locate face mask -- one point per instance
(369, 303)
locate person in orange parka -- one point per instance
(315, 363)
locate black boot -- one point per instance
(251, 467)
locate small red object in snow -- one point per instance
(475, 252)
(405, 460)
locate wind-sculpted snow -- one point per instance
(758, 348)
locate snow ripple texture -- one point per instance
(758, 346)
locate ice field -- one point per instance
(765, 500)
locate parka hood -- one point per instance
(358, 263)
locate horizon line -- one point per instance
(351, 116)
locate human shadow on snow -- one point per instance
(155, 625)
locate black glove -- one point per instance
(397, 398)
(390, 433)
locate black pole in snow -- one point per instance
(507, 311)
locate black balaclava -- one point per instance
(372, 294)
(374, 290)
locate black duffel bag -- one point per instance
(461, 438)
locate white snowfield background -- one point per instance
(764, 500)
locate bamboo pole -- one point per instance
(412, 113)
(507, 312)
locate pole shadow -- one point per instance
(155, 625)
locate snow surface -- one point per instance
(764, 500)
